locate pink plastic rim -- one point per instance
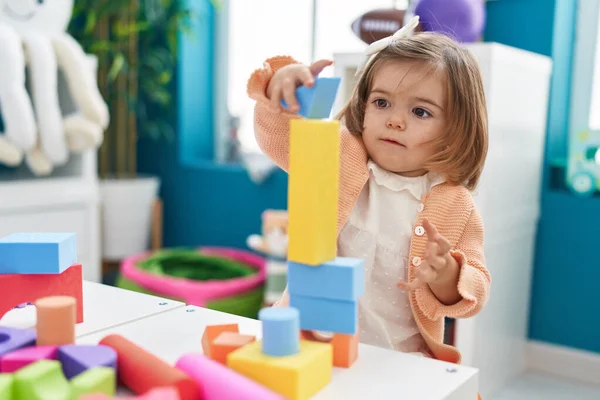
(197, 293)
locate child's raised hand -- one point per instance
(438, 267)
(284, 83)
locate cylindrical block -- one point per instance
(141, 370)
(56, 319)
(281, 328)
(219, 382)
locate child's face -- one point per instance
(404, 114)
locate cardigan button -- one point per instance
(419, 231)
(416, 261)
(421, 207)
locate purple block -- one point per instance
(76, 359)
(15, 338)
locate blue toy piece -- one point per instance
(281, 331)
(318, 314)
(340, 279)
(37, 253)
(317, 101)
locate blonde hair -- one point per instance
(463, 148)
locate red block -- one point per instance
(142, 371)
(21, 288)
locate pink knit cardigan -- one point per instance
(450, 208)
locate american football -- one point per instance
(378, 24)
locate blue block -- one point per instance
(340, 279)
(318, 314)
(280, 331)
(317, 101)
(37, 253)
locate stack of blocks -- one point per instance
(36, 265)
(324, 289)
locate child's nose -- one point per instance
(396, 122)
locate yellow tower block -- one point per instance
(313, 190)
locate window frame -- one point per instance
(582, 85)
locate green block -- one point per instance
(6, 386)
(94, 380)
(41, 380)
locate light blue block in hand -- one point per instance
(317, 101)
(37, 253)
(281, 331)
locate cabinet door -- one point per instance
(82, 219)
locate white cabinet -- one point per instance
(56, 204)
(516, 87)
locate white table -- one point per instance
(103, 307)
(377, 374)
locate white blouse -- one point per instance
(379, 231)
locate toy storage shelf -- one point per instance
(65, 201)
(516, 88)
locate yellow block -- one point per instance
(313, 190)
(296, 377)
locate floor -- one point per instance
(538, 386)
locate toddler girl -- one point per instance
(413, 145)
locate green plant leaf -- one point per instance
(116, 67)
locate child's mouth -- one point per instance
(392, 142)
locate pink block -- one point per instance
(163, 393)
(221, 383)
(17, 359)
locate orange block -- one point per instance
(345, 347)
(211, 332)
(56, 319)
(21, 288)
(227, 342)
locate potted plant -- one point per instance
(135, 42)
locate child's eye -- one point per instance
(380, 103)
(421, 112)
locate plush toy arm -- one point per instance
(82, 134)
(82, 83)
(17, 113)
(44, 88)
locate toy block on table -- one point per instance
(211, 332)
(76, 359)
(318, 314)
(12, 339)
(162, 393)
(6, 386)
(96, 380)
(345, 347)
(221, 383)
(37, 253)
(280, 326)
(56, 319)
(18, 359)
(317, 101)
(20, 288)
(342, 278)
(313, 190)
(142, 371)
(296, 377)
(227, 342)
(40, 381)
